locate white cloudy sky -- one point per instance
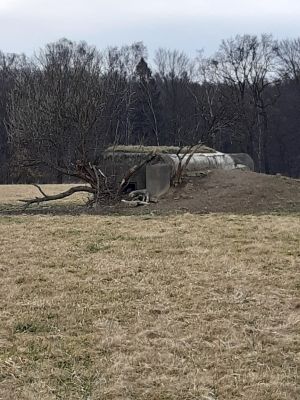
(26, 25)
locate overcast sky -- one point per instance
(189, 25)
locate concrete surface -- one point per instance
(158, 177)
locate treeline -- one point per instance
(63, 106)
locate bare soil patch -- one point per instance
(235, 191)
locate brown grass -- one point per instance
(177, 307)
(11, 194)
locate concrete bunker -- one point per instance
(156, 176)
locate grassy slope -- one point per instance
(180, 307)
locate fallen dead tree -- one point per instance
(102, 188)
(58, 196)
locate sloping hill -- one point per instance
(234, 191)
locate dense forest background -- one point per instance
(69, 101)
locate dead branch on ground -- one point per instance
(58, 196)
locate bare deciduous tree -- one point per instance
(288, 52)
(60, 111)
(246, 64)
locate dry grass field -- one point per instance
(187, 306)
(10, 196)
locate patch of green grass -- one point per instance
(97, 247)
(31, 327)
(26, 327)
(7, 219)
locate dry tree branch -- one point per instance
(40, 189)
(98, 182)
(133, 170)
(182, 163)
(58, 196)
(135, 203)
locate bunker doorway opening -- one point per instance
(130, 187)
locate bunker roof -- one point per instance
(157, 149)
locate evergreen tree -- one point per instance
(146, 115)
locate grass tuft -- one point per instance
(26, 327)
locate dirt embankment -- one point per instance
(234, 191)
